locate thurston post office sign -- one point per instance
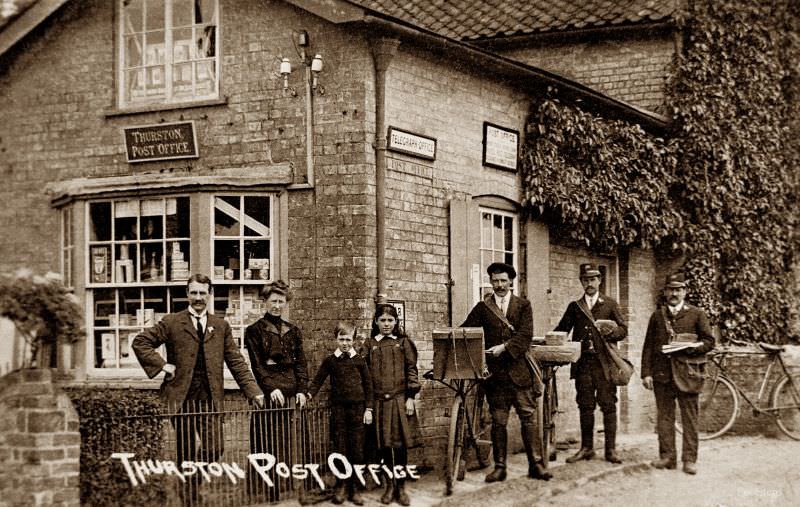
(164, 141)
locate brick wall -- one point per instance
(449, 104)
(630, 68)
(39, 442)
(635, 277)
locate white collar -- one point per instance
(591, 301)
(201, 316)
(338, 352)
(499, 299)
(675, 309)
(379, 337)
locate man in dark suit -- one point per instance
(197, 343)
(592, 381)
(507, 322)
(677, 375)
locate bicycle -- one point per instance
(719, 399)
(549, 409)
(459, 365)
(551, 358)
(470, 427)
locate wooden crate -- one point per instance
(458, 353)
(569, 352)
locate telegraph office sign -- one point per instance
(164, 141)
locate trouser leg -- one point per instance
(499, 406)
(586, 399)
(688, 403)
(665, 425)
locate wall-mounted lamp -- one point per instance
(286, 69)
(313, 67)
(316, 68)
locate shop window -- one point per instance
(168, 51)
(141, 252)
(498, 243)
(241, 255)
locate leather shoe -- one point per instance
(583, 453)
(537, 471)
(613, 457)
(663, 463)
(498, 474)
(357, 499)
(388, 493)
(689, 467)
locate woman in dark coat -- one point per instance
(275, 347)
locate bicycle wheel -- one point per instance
(552, 405)
(480, 426)
(786, 405)
(546, 422)
(719, 407)
(455, 444)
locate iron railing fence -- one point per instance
(229, 455)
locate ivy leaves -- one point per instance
(723, 191)
(606, 181)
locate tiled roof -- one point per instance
(472, 19)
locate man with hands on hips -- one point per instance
(197, 345)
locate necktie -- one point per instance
(199, 328)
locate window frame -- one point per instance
(67, 242)
(200, 240)
(167, 98)
(482, 285)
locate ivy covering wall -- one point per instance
(721, 189)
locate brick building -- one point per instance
(140, 145)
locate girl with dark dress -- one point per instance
(275, 347)
(392, 360)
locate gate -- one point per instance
(233, 455)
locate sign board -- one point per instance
(400, 306)
(164, 141)
(500, 147)
(412, 144)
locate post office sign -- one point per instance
(164, 141)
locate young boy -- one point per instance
(351, 404)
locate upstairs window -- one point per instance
(168, 51)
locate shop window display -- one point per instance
(139, 260)
(169, 51)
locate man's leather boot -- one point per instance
(499, 443)
(668, 463)
(338, 493)
(536, 470)
(610, 433)
(587, 437)
(400, 493)
(388, 492)
(355, 493)
(583, 453)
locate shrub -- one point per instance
(117, 420)
(42, 309)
